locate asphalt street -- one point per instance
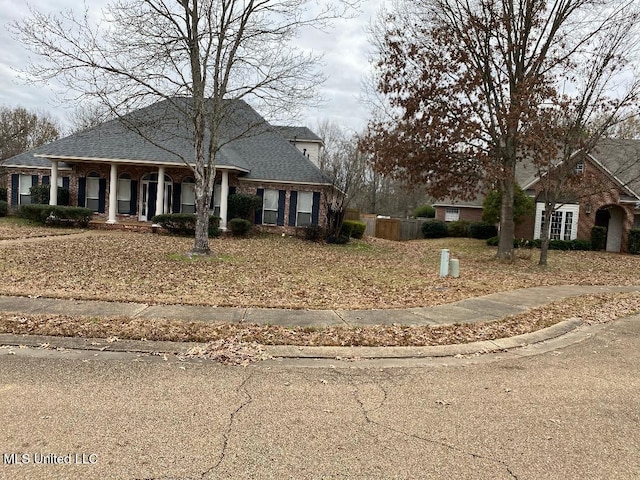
(571, 410)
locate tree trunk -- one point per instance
(507, 226)
(545, 233)
(201, 241)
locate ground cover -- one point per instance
(13, 228)
(283, 272)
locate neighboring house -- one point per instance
(614, 204)
(304, 140)
(137, 170)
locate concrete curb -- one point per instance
(291, 352)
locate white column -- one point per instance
(224, 194)
(160, 193)
(113, 194)
(53, 183)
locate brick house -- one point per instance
(116, 168)
(614, 204)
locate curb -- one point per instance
(299, 352)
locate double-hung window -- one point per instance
(124, 193)
(188, 196)
(305, 207)
(26, 182)
(270, 207)
(93, 192)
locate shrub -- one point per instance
(313, 233)
(56, 215)
(580, 245)
(3, 195)
(338, 239)
(493, 241)
(523, 206)
(39, 194)
(240, 227)
(459, 228)
(634, 241)
(346, 229)
(426, 211)
(241, 205)
(4, 208)
(184, 224)
(598, 238)
(482, 230)
(357, 228)
(434, 229)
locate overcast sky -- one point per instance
(346, 53)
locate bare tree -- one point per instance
(465, 80)
(207, 51)
(21, 130)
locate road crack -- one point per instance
(366, 412)
(248, 398)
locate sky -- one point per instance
(345, 49)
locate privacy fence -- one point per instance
(396, 229)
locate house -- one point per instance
(136, 167)
(614, 204)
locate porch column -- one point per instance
(113, 194)
(53, 183)
(224, 194)
(160, 197)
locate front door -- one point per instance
(148, 194)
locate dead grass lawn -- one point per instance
(284, 272)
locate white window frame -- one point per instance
(24, 189)
(562, 212)
(217, 196)
(579, 168)
(92, 184)
(124, 195)
(186, 204)
(304, 214)
(268, 206)
(451, 214)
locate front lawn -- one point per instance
(284, 272)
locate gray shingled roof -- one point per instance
(160, 133)
(302, 134)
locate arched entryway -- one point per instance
(612, 218)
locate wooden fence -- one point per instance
(396, 229)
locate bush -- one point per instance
(56, 215)
(313, 233)
(3, 195)
(553, 244)
(184, 224)
(338, 239)
(434, 229)
(459, 228)
(634, 241)
(357, 228)
(346, 229)
(426, 211)
(39, 194)
(240, 227)
(598, 238)
(482, 230)
(241, 205)
(4, 208)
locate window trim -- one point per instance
(265, 210)
(187, 183)
(562, 210)
(300, 211)
(451, 214)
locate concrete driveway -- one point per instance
(570, 412)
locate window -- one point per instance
(217, 194)
(564, 222)
(305, 206)
(26, 182)
(579, 168)
(188, 196)
(451, 214)
(124, 193)
(93, 191)
(270, 207)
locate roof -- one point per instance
(162, 134)
(302, 134)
